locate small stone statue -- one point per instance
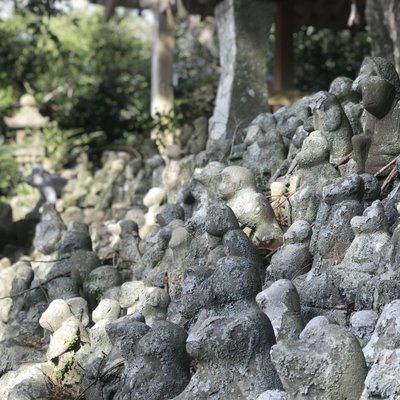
(367, 255)
(265, 150)
(331, 120)
(317, 366)
(293, 258)
(313, 171)
(232, 356)
(341, 87)
(159, 368)
(252, 209)
(281, 303)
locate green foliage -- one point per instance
(87, 74)
(9, 172)
(322, 55)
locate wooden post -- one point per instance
(284, 67)
(162, 94)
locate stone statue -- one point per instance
(252, 209)
(317, 366)
(331, 120)
(379, 85)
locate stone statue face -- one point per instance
(377, 95)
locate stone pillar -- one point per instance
(162, 94)
(383, 24)
(243, 30)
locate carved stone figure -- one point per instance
(252, 209)
(317, 366)
(232, 356)
(379, 85)
(331, 120)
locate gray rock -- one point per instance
(168, 213)
(70, 337)
(57, 312)
(82, 262)
(386, 334)
(362, 325)
(316, 321)
(381, 382)
(220, 219)
(99, 339)
(382, 353)
(79, 308)
(272, 395)
(61, 288)
(28, 382)
(14, 354)
(124, 333)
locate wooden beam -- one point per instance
(283, 64)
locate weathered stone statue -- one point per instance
(232, 356)
(265, 150)
(313, 171)
(252, 209)
(281, 303)
(379, 85)
(332, 235)
(317, 366)
(159, 367)
(293, 258)
(367, 255)
(331, 120)
(341, 87)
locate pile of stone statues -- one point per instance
(267, 273)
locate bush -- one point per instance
(322, 55)
(86, 74)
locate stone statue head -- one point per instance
(377, 66)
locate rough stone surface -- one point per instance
(281, 303)
(336, 371)
(49, 231)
